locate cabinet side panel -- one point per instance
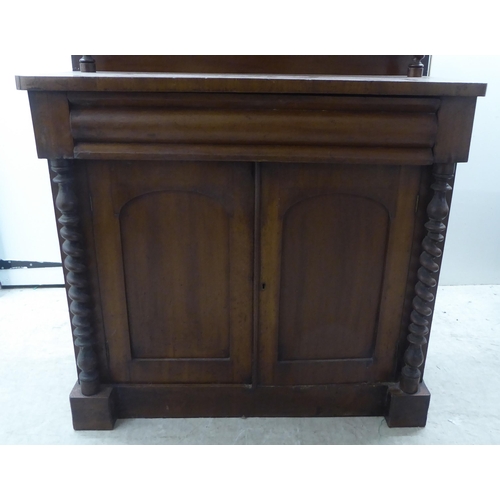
(333, 254)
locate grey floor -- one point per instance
(37, 373)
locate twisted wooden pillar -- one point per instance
(66, 203)
(423, 303)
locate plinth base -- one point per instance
(95, 412)
(407, 410)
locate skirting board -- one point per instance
(32, 277)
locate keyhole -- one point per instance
(263, 286)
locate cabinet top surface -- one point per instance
(248, 83)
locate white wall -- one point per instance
(472, 252)
(27, 225)
(27, 222)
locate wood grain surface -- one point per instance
(251, 233)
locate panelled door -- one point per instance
(174, 245)
(175, 252)
(335, 247)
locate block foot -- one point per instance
(93, 413)
(407, 410)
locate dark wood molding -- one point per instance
(251, 83)
(74, 262)
(283, 64)
(163, 401)
(53, 137)
(428, 274)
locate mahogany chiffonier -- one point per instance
(250, 235)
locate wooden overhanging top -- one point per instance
(248, 83)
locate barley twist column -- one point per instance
(74, 262)
(425, 289)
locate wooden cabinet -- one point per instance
(257, 245)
